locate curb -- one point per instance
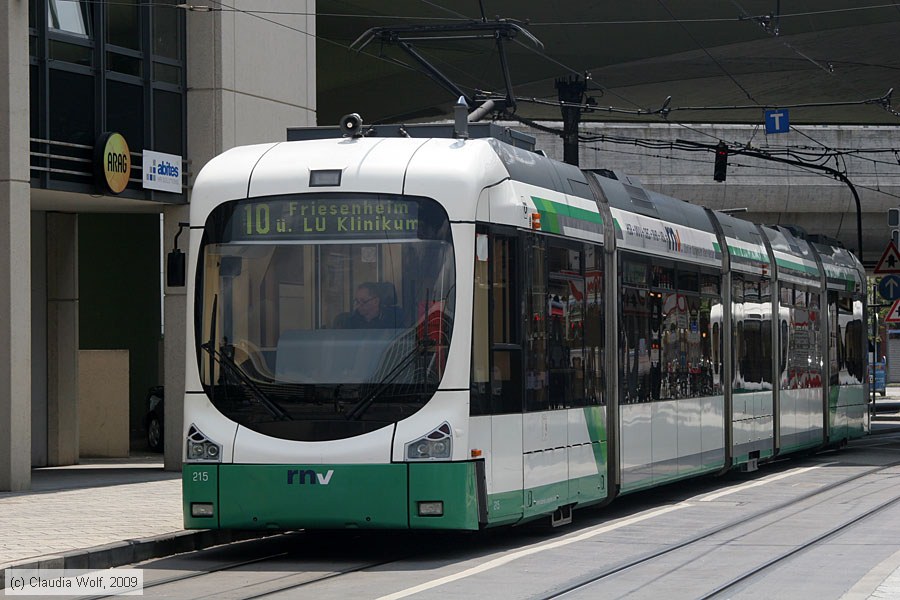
(126, 552)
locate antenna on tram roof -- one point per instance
(460, 116)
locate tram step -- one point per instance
(561, 516)
(750, 466)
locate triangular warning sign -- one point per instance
(890, 261)
(893, 315)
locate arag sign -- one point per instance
(112, 163)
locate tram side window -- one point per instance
(814, 354)
(766, 351)
(536, 376)
(565, 326)
(563, 330)
(835, 350)
(753, 364)
(594, 330)
(681, 358)
(634, 358)
(856, 351)
(737, 329)
(800, 326)
(710, 286)
(479, 397)
(496, 350)
(851, 341)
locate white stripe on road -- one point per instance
(507, 558)
(753, 484)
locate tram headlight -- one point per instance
(438, 444)
(196, 451)
(200, 448)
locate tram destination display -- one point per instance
(298, 218)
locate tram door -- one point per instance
(496, 392)
(559, 456)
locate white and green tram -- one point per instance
(439, 333)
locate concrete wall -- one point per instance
(103, 403)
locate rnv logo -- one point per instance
(308, 476)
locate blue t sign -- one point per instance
(777, 121)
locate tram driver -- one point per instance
(374, 307)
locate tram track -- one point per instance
(260, 561)
(257, 589)
(187, 576)
(743, 521)
(760, 569)
(307, 582)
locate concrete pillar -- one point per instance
(62, 338)
(174, 339)
(38, 339)
(15, 248)
(230, 101)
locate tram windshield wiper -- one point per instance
(226, 362)
(363, 405)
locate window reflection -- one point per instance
(752, 334)
(847, 341)
(70, 16)
(801, 365)
(165, 29)
(123, 24)
(672, 333)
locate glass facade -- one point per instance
(98, 67)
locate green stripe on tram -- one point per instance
(593, 416)
(798, 267)
(744, 253)
(551, 212)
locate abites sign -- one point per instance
(162, 171)
(112, 163)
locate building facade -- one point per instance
(101, 98)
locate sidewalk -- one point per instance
(887, 410)
(98, 514)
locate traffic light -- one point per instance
(721, 162)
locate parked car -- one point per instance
(154, 420)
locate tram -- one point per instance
(421, 332)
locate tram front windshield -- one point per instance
(320, 317)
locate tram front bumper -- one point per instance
(284, 497)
